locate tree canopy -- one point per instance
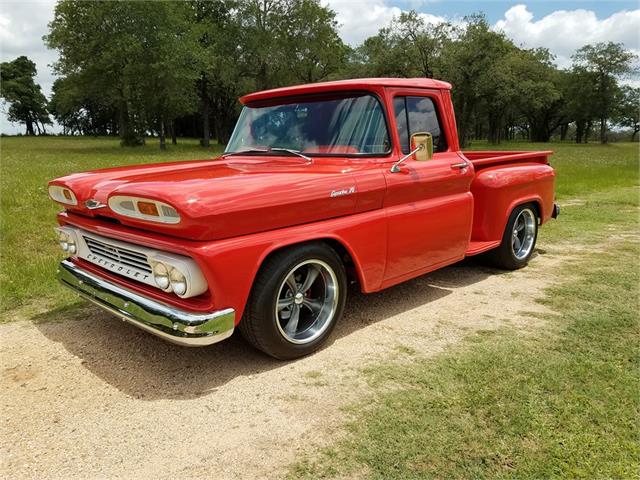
(177, 68)
(27, 104)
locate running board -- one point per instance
(478, 247)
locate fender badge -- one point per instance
(92, 204)
(344, 191)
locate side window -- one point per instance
(418, 114)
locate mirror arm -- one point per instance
(395, 168)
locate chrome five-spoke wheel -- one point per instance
(518, 239)
(524, 234)
(297, 298)
(307, 301)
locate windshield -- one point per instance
(338, 125)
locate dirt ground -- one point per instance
(97, 398)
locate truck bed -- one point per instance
(500, 177)
(488, 158)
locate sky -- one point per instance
(562, 26)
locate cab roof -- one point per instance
(353, 84)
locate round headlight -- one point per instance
(161, 276)
(71, 247)
(178, 282)
(63, 238)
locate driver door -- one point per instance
(429, 203)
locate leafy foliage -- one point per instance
(179, 67)
(605, 62)
(27, 103)
(627, 109)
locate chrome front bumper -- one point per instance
(170, 323)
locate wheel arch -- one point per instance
(339, 245)
(535, 201)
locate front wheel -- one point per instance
(297, 298)
(518, 240)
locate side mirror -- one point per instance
(423, 141)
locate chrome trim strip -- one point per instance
(172, 324)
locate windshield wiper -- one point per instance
(292, 152)
(273, 149)
(248, 150)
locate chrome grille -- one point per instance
(118, 255)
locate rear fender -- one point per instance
(497, 191)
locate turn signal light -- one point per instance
(144, 209)
(148, 208)
(62, 195)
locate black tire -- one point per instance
(262, 325)
(505, 256)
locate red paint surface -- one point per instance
(238, 210)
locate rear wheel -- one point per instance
(518, 240)
(297, 298)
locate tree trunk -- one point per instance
(127, 134)
(633, 135)
(540, 133)
(464, 124)
(587, 132)
(29, 124)
(494, 129)
(163, 139)
(603, 130)
(174, 139)
(564, 128)
(579, 131)
(206, 127)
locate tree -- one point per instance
(78, 113)
(257, 44)
(410, 47)
(220, 80)
(28, 105)
(627, 109)
(311, 44)
(538, 94)
(135, 57)
(608, 61)
(471, 62)
(581, 100)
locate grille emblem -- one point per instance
(92, 204)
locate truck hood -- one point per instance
(233, 196)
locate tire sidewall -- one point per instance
(507, 240)
(266, 300)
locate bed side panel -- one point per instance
(498, 190)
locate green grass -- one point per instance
(29, 248)
(562, 402)
(30, 252)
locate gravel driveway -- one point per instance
(94, 397)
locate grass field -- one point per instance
(29, 248)
(560, 402)
(28, 215)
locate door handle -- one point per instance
(460, 165)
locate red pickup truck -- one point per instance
(320, 185)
